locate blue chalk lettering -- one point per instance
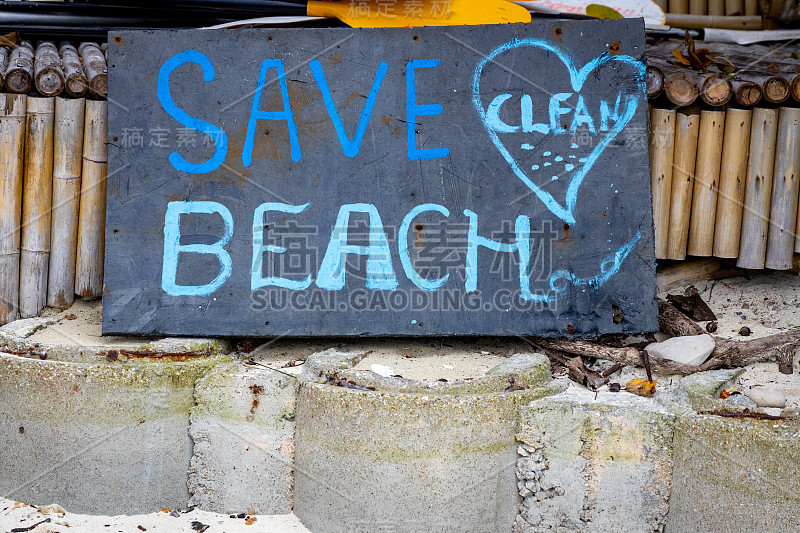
(582, 116)
(605, 113)
(256, 279)
(493, 119)
(405, 258)
(173, 248)
(200, 126)
(380, 274)
(257, 114)
(556, 111)
(413, 111)
(522, 246)
(349, 147)
(578, 76)
(526, 105)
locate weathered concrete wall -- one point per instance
(243, 433)
(108, 437)
(98, 429)
(106, 430)
(416, 461)
(594, 463)
(736, 476)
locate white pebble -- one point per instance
(765, 397)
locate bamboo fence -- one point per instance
(53, 134)
(726, 183)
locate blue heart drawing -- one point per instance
(565, 212)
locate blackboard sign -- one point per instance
(411, 181)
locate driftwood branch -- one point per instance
(727, 353)
(627, 355)
(578, 370)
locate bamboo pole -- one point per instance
(12, 152)
(774, 89)
(698, 7)
(679, 6)
(716, 89)
(680, 89)
(67, 160)
(707, 21)
(751, 8)
(4, 53)
(662, 147)
(706, 183)
(732, 173)
(76, 83)
(654, 81)
(91, 224)
(734, 7)
(94, 65)
(19, 72)
(47, 73)
(662, 4)
(716, 8)
(37, 197)
(687, 128)
(758, 189)
(746, 93)
(783, 210)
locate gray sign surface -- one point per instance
(410, 181)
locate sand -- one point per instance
(18, 515)
(767, 303)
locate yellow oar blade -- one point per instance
(403, 13)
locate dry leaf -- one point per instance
(724, 394)
(250, 521)
(641, 387)
(680, 57)
(165, 510)
(10, 39)
(727, 67)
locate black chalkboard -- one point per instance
(411, 181)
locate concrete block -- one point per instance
(243, 428)
(103, 438)
(594, 463)
(735, 475)
(407, 456)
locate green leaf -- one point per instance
(599, 11)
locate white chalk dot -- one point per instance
(582, 160)
(548, 164)
(568, 166)
(573, 145)
(526, 146)
(555, 178)
(413, 322)
(535, 167)
(546, 154)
